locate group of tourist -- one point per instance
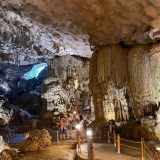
(68, 127)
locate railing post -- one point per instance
(78, 143)
(155, 154)
(114, 136)
(57, 136)
(143, 148)
(92, 151)
(88, 147)
(118, 143)
(108, 136)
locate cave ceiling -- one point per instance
(36, 30)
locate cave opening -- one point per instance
(21, 87)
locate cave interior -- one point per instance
(99, 59)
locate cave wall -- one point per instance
(140, 81)
(107, 79)
(125, 82)
(65, 89)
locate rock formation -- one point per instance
(5, 114)
(65, 88)
(37, 140)
(108, 82)
(6, 153)
(33, 31)
(125, 81)
(124, 68)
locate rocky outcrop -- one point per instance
(33, 31)
(6, 114)
(125, 82)
(21, 92)
(8, 154)
(136, 131)
(65, 88)
(108, 80)
(27, 37)
(37, 140)
(140, 85)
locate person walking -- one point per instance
(74, 122)
(81, 130)
(62, 128)
(68, 127)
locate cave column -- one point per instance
(98, 108)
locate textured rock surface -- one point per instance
(37, 140)
(137, 131)
(10, 75)
(6, 114)
(30, 34)
(108, 79)
(125, 80)
(8, 154)
(19, 91)
(65, 88)
(140, 84)
(45, 28)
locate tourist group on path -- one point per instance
(68, 127)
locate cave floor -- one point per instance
(56, 151)
(66, 150)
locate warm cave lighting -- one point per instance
(89, 132)
(157, 147)
(78, 126)
(89, 136)
(74, 112)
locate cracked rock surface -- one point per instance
(34, 30)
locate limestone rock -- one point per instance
(5, 156)
(65, 88)
(125, 82)
(6, 114)
(108, 74)
(9, 153)
(136, 131)
(3, 144)
(157, 131)
(37, 140)
(32, 29)
(140, 84)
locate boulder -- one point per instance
(37, 140)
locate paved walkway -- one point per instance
(105, 151)
(102, 149)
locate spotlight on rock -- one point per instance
(157, 147)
